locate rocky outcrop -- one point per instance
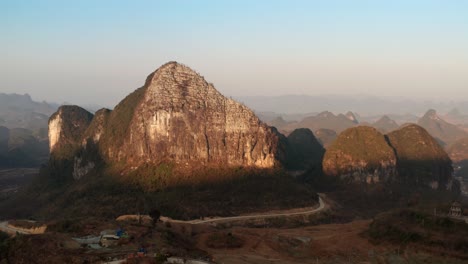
(66, 128)
(182, 118)
(360, 154)
(421, 160)
(176, 117)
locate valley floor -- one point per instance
(332, 243)
(12, 179)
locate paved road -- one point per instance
(246, 217)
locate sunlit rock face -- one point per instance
(55, 124)
(66, 127)
(183, 118)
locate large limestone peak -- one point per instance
(178, 116)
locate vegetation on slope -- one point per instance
(360, 147)
(222, 193)
(420, 157)
(118, 124)
(433, 233)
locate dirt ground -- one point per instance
(332, 243)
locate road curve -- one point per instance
(246, 217)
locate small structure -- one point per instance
(455, 210)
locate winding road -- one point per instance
(321, 207)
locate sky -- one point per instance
(97, 52)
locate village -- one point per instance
(156, 239)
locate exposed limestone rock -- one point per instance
(80, 169)
(182, 118)
(66, 128)
(175, 117)
(55, 127)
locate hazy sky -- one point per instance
(99, 51)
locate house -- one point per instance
(455, 210)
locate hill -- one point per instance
(421, 160)
(385, 124)
(446, 132)
(324, 120)
(304, 150)
(175, 143)
(458, 150)
(406, 157)
(360, 154)
(325, 136)
(177, 119)
(20, 111)
(20, 147)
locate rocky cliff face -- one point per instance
(360, 154)
(184, 118)
(175, 117)
(421, 160)
(66, 128)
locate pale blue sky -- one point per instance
(99, 51)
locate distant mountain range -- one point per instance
(20, 111)
(363, 104)
(445, 132)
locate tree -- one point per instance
(155, 214)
